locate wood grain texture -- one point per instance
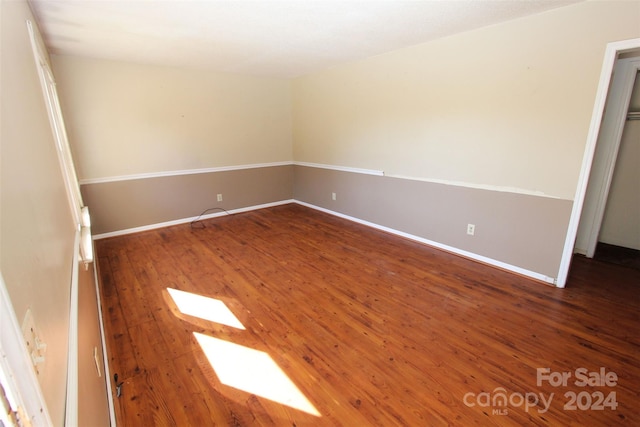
(373, 329)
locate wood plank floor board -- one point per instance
(371, 328)
(122, 360)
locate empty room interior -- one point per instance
(320, 213)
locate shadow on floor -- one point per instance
(618, 255)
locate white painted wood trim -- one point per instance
(187, 220)
(105, 357)
(17, 364)
(432, 180)
(180, 172)
(71, 408)
(447, 248)
(614, 120)
(457, 251)
(610, 56)
(225, 169)
(315, 165)
(488, 187)
(56, 121)
(341, 168)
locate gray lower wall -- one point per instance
(521, 230)
(121, 205)
(517, 229)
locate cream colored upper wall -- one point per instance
(36, 226)
(504, 106)
(128, 118)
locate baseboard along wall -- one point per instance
(518, 232)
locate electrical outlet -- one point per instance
(35, 346)
(333, 196)
(97, 360)
(219, 197)
(471, 229)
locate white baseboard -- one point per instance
(580, 251)
(103, 341)
(187, 220)
(457, 251)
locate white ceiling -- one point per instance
(282, 38)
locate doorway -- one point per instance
(597, 169)
(619, 239)
(610, 212)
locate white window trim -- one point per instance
(83, 243)
(57, 126)
(18, 378)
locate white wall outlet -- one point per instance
(333, 196)
(96, 359)
(219, 197)
(35, 346)
(471, 229)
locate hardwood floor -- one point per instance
(370, 328)
(627, 257)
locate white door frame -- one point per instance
(610, 57)
(606, 154)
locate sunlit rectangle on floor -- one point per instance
(205, 308)
(254, 372)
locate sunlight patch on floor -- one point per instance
(206, 308)
(254, 372)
